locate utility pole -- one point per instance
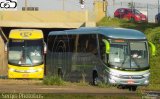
(63, 5)
(82, 3)
(158, 6)
(26, 4)
(113, 2)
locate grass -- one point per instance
(104, 85)
(86, 96)
(115, 22)
(56, 80)
(53, 80)
(152, 32)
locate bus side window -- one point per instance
(92, 46)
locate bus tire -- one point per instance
(121, 87)
(60, 73)
(95, 78)
(132, 88)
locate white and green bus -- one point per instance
(113, 55)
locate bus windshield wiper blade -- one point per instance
(135, 62)
(123, 62)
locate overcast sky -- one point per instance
(55, 4)
(140, 1)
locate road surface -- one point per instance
(36, 86)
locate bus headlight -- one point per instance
(146, 75)
(115, 74)
(40, 69)
(146, 82)
(12, 69)
(31, 71)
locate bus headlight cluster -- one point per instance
(146, 82)
(146, 75)
(40, 69)
(31, 71)
(12, 69)
(114, 74)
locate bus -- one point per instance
(26, 50)
(116, 56)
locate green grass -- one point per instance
(152, 32)
(53, 80)
(115, 22)
(88, 96)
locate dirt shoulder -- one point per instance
(36, 86)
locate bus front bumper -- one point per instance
(25, 75)
(121, 81)
(26, 72)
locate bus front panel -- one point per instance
(25, 58)
(128, 63)
(25, 72)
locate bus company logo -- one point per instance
(8, 4)
(25, 34)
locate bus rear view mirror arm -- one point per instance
(45, 48)
(153, 48)
(107, 46)
(6, 47)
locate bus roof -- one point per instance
(26, 34)
(109, 32)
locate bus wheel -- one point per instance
(121, 87)
(95, 77)
(132, 88)
(60, 73)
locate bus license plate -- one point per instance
(25, 75)
(130, 81)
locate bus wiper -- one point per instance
(123, 62)
(29, 60)
(135, 62)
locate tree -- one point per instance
(131, 5)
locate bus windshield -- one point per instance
(25, 52)
(131, 55)
(137, 12)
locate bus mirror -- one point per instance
(107, 46)
(153, 48)
(6, 47)
(45, 48)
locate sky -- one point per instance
(55, 4)
(139, 1)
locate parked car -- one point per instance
(130, 14)
(157, 18)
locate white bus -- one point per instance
(113, 55)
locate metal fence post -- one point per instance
(147, 12)
(158, 6)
